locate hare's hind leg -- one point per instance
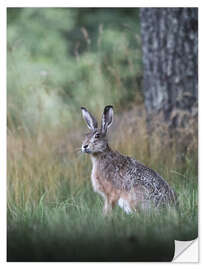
(124, 204)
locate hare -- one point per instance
(118, 178)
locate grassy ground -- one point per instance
(54, 215)
(75, 230)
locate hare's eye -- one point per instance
(97, 135)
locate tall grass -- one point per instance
(53, 213)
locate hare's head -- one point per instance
(96, 140)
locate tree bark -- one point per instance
(170, 60)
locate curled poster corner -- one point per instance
(186, 251)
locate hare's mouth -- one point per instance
(87, 151)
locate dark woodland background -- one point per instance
(144, 62)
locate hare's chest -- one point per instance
(99, 181)
(96, 182)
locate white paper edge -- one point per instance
(186, 251)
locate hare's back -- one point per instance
(156, 188)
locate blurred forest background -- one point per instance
(59, 59)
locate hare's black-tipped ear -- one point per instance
(89, 119)
(107, 118)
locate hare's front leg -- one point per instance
(107, 207)
(109, 203)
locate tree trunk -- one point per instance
(170, 60)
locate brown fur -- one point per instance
(121, 179)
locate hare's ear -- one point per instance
(107, 118)
(89, 119)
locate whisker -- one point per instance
(78, 150)
(79, 153)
